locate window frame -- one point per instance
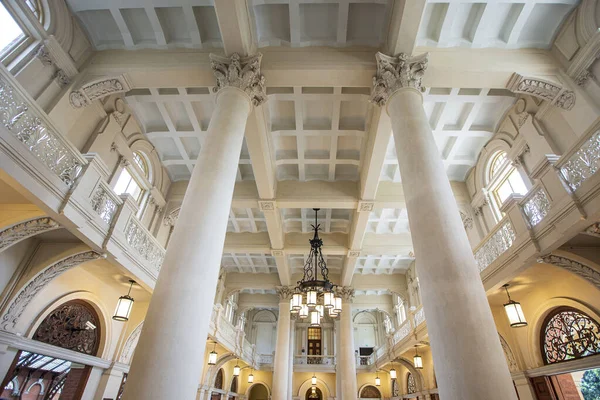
(21, 43)
(497, 175)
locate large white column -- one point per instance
(281, 362)
(169, 357)
(346, 360)
(467, 354)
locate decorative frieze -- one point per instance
(398, 72)
(242, 73)
(26, 229)
(582, 270)
(31, 130)
(141, 240)
(98, 89)
(584, 163)
(353, 253)
(510, 358)
(542, 89)
(402, 332)
(277, 253)
(10, 318)
(593, 230)
(496, 245)
(103, 204)
(536, 207)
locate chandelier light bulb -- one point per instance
(292, 309)
(303, 313)
(332, 313)
(338, 305)
(315, 318)
(311, 298)
(328, 300)
(251, 378)
(297, 301)
(236, 369)
(321, 310)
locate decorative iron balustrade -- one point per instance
(314, 360)
(419, 317)
(499, 242)
(143, 242)
(103, 204)
(536, 207)
(584, 163)
(402, 332)
(266, 359)
(28, 125)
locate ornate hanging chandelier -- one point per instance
(314, 296)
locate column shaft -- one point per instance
(346, 363)
(281, 362)
(169, 357)
(468, 358)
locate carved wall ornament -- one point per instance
(542, 89)
(285, 293)
(11, 316)
(171, 218)
(510, 357)
(98, 89)
(66, 327)
(466, 220)
(130, 345)
(365, 206)
(346, 293)
(583, 77)
(26, 229)
(495, 246)
(142, 241)
(593, 229)
(242, 73)
(398, 72)
(267, 205)
(354, 253)
(582, 270)
(103, 204)
(29, 127)
(62, 78)
(120, 115)
(277, 253)
(536, 207)
(43, 55)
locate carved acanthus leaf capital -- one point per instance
(346, 293)
(285, 292)
(398, 72)
(242, 73)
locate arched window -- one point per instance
(370, 392)
(36, 8)
(234, 385)
(219, 379)
(504, 180)
(411, 385)
(142, 162)
(12, 33)
(127, 184)
(400, 310)
(569, 334)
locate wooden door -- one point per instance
(314, 345)
(565, 388)
(542, 385)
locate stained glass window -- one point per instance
(411, 385)
(219, 380)
(569, 334)
(314, 333)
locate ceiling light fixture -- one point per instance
(124, 305)
(212, 356)
(315, 297)
(417, 360)
(514, 312)
(236, 369)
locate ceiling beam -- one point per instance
(404, 26)
(235, 27)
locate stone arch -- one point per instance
(257, 383)
(211, 374)
(579, 266)
(265, 316)
(17, 305)
(368, 389)
(510, 357)
(586, 25)
(364, 317)
(306, 385)
(539, 316)
(131, 344)
(39, 382)
(149, 151)
(219, 382)
(19, 231)
(104, 317)
(419, 379)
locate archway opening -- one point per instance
(75, 326)
(370, 392)
(259, 392)
(314, 393)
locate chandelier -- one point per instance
(314, 295)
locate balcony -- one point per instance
(72, 186)
(232, 337)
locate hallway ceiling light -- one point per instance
(377, 380)
(514, 312)
(236, 369)
(251, 377)
(313, 380)
(393, 372)
(212, 356)
(417, 360)
(318, 293)
(124, 305)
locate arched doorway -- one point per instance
(314, 393)
(219, 381)
(259, 392)
(75, 326)
(370, 392)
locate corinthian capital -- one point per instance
(242, 73)
(284, 292)
(398, 72)
(346, 293)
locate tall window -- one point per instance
(127, 184)
(400, 310)
(11, 33)
(141, 162)
(504, 180)
(411, 385)
(569, 334)
(36, 8)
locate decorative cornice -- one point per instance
(284, 292)
(242, 73)
(542, 89)
(583, 77)
(346, 292)
(395, 73)
(98, 89)
(587, 273)
(23, 230)
(10, 318)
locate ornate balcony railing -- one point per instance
(304, 359)
(144, 243)
(419, 317)
(402, 332)
(22, 117)
(104, 204)
(498, 241)
(264, 359)
(536, 206)
(582, 164)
